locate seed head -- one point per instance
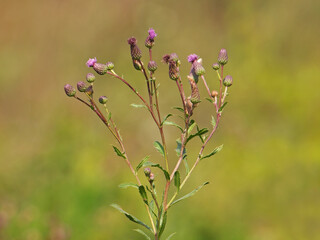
(90, 77)
(152, 66)
(70, 91)
(223, 57)
(215, 66)
(100, 68)
(81, 86)
(227, 81)
(103, 99)
(134, 50)
(110, 65)
(192, 58)
(91, 62)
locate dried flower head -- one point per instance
(134, 50)
(166, 58)
(214, 93)
(195, 95)
(91, 62)
(173, 70)
(223, 57)
(81, 86)
(89, 90)
(100, 68)
(70, 91)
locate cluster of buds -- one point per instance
(149, 175)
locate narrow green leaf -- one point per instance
(126, 185)
(213, 121)
(166, 117)
(179, 146)
(186, 165)
(179, 109)
(109, 116)
(151, 164)
(199, 133)
(223, 105)
(170, 236)
(173, 124)
(130, 217)
(159, 147)
(177, 180)
(142, 233)
(210, 100)
(189, 194)
(163, 222)
(118, 152)
(191, 127)
(142, 162)
(216, 150)
(138, 105)
(143, 194)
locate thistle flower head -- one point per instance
(132, 41)
(227, 81)
(192, 58)
(173, 70)
(195, 95)
(134, 50)
(152, 66)
(215, 66)
(147, 172)
(90, 77)
(70, 91)
(100, 68)
(198, 68)
(103, 99)
(91, 62)
(223, 57)
(152, 33)
(81, 86)
(166, 58)
(174, 57)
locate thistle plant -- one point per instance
(156, 198)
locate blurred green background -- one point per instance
(58, 172)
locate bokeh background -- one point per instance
(58, 172)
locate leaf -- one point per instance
(126, 185)
(159, 147)
(130, 217)
(223, 105)
(191, 127)
(189, 194)
(163, 222)
(151, 164)
(199, 133)
(179, 146)
(172, 124)
(170, 236)
(138, 105)
(216, 150)
(142, 233)
(141, 163)
(213, 121)
(166, 117)
(177, 180)
(109, 116)
(143, 194)
(210, 100)
(186, 165)
(118, 152)
(179, 109)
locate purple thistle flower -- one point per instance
(91, 62)
(192, 58)
(152, 33)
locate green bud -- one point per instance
(70, 91)
(110, 65)
(147, 172)
(136, 64)
(223, 57)
(227, 81)
(90, 78)
(81, 86)
(152, 66)
(215, 66)
(103, 99)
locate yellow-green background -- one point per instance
(58, 173)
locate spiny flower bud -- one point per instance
(215, 66)
(81, 86)
(189, 106)
(147, 172)
(103, 99)
(90, 77)
(70, 91)
(223, 57)
(110, 65)
(150, 39)
(173, 71)
(135, 51)
(91, 62)
(100, 68)
(198, 68)
(152, 66)
(136, 64)
(89, 90)
(195, 96)
(214, 93)
(227, 81)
